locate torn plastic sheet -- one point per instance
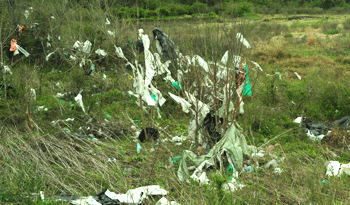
(256, 66)
(158, 94)
(22, 50)
(202, 108)
(276, 73)
(85, 201)
(32, 94)
(6, 69)
(107, 22)
(184, 104)
(87, 47)
(234, 144)
(333, 168)
(201, 62)
(314, 137)
(136, 196)
(111, 33)
(79, 100)
(119, 52)
(240, 37)
(142, 90)
(164, 44)
(49, 55)
(162, 67)
(298, 120)
(224, 58)
(232, 186)
(297, 75)
(101, 52)
(165, 201)
(201, 179)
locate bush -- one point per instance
(332, 32)
(243, 8)
(327, 26)
(288, 35)
(199, 8)
(212, 15)
(164, 11)
(346, 24)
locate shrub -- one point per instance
(244, 8)
(164, 11)
(288, 35)
(212, 15)
(199, 8)
(332, 32)
(346, 24)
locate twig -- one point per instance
(280, 135)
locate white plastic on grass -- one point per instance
(240, 37)
(136, 196)
(232, 186)
(107, 22)
(165, 201)
(333, 168)
(87, 47)
(22, 50)
(314, 137)
(111, 33)
(298, 120)
(79, 100)
(160, 99)
(276, 73)
(184, 104)
(101, 52)
(297, 75)
(85, 201)
(49, 55)
(256, 66)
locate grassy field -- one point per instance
(40, 150)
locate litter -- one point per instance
(164, 44)
(177, 85)
(176, 159)
(138, 148)
(333, 168)
(32, 95)
(79, 100)
(165, 201)
(232, 186)
(151, 134)
(22, 50)
(233, 144)
(297, 75)
(101, 52)
(6, 69)
(240, 37)
(111, 33)
(107, 22)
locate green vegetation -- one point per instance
(46, 150)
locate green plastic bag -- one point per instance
(177, 85)
(247, 90)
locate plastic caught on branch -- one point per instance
(32, 95)
(224, 58)
(240, 37)
(87, 47)
(111, 33)
(201, 62)
(101, 52)
(22, 50)
(164, 44)
(6, 69)
(184, 104)
(79, 100)
(119, 52)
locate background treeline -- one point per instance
(166, 8)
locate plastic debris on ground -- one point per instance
(233, 144)
(32, 94)
(165, 201)
(334, 168)
(232, 186)
(298, 76)
(151, 134)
